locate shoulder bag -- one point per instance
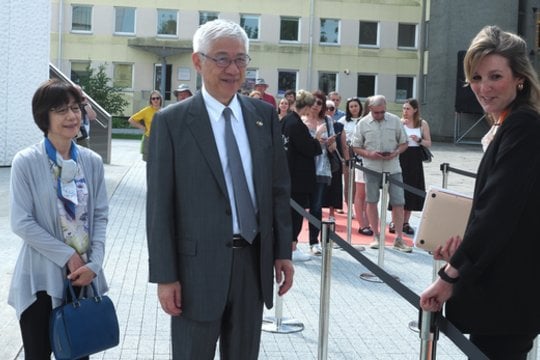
(83, 325)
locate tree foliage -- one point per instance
(97, 86)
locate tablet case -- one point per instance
(445, 214)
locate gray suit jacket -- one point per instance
(189, 218)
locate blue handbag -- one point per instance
(83, 326)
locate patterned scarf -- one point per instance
(65, 172)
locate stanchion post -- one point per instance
(326, 269)
(444, 169)
(279, 324)
(382, 221)
(350, 200)
(429, 335)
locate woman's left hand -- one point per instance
(82, 276)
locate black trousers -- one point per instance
(34, 325)
(504, 347)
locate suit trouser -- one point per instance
(504, 347)
(239, 328)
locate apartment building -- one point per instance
(359, 47)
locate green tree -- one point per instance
(97, 86)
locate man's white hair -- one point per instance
(209, 32)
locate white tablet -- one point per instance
(445, 214)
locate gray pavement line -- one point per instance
(460, 340)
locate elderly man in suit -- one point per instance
(218, 220)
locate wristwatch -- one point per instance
(444, 276)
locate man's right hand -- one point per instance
(170, 298)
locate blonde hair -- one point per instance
(491, 40)
(304, 98)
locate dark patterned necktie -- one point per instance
(242, 199)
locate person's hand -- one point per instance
(284, 275)
(446, 251)
(433, 298)
(170, 298)
(79, 273)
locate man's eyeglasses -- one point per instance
(378, 112)
(155, 98)
(240, 61)
(64, 110)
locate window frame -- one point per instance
(289, 18)
(114, 80)
(338, 36)
(206, 13)
(87, 64)
(116, 32)
(158, 12)
(327, 88)
(91, 10)
(254, 17)
(281, 90)
(378, 34)
(407, 47)
(168, 80)
(366, 75)
(412, 90)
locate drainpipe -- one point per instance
(310, 45)
(421, 53)
(163, 76)
(60, 34)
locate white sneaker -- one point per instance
(298, 255)
(316, 249)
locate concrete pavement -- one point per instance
(367, 320)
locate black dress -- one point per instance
(412, 171)
(333, 196)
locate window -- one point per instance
(404, 87)
(369, 33)
(123, 76)
(329, 31)
(124, 20)
(81, 18)
(206, 16)
(250, 23)
(287, 80)
(289, 29)
(157, 82)
(167, 22)
(407, 36)
(327, 82)
(366, 86)
(79, 71)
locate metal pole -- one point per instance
(429, 334)
(326, 269)
(279, 324)
(350, 200)
(444, 169)
(382, 221)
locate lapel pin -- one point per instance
(259, 123)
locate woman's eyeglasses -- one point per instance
(331, 108)
(318, 102)
(155, 98)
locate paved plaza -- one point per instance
(368, 320)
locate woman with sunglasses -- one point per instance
(143, 119)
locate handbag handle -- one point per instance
(68, 286)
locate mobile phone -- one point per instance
(384, 153)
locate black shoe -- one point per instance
(407, 229)
(366, 230)
(391, 228)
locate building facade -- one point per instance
(356, 47)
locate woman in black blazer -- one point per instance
(301, 149)
(492, 275)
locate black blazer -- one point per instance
(189, 218)
(301, 150)
(498, 258)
